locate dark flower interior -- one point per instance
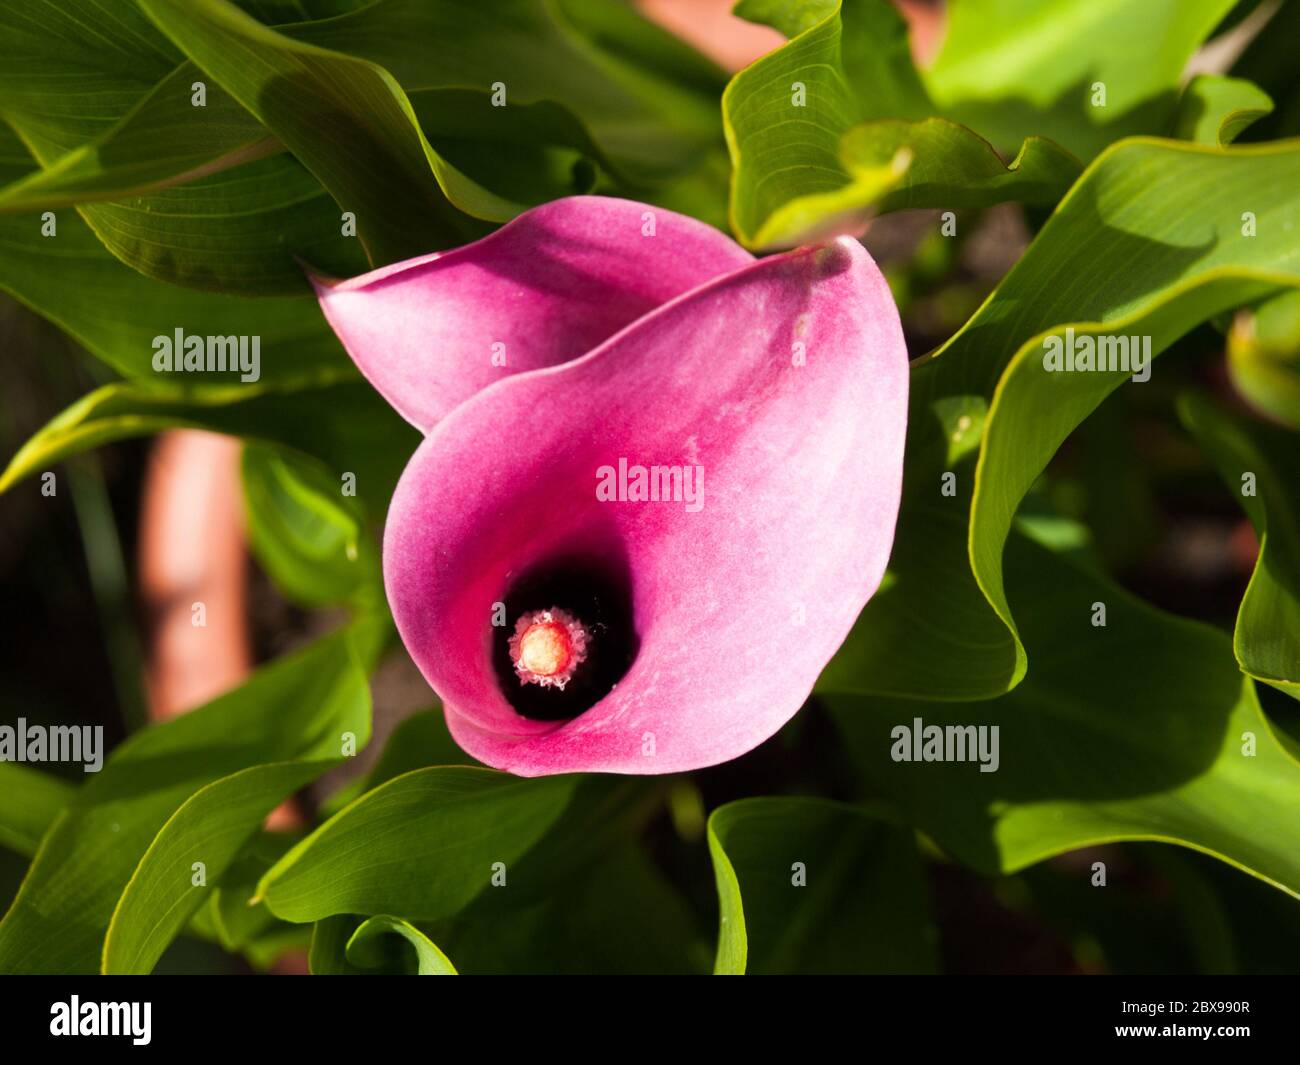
(597, 590)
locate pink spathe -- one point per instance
(543, 289)
(784, 380)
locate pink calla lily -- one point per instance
(665, 509)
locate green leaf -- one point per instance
(237, 924)
(385, 945)
(29, 802)
(1258, 463)
(164, 139)
(428, 843)
(336, 94)
(329, 939)
(1217, 110)
(235, 231)
(244, 230)
(208, 831)
(420, 741)
(849, 68)
(527, 153)
(490, 144)
(814, 886)
(243, 223)
(1015, 68)
(1149, 242)
(372, 945)
(1141, 729)
(310, 542)
(116, 314)
(648, 100)
(618, 915)
(346, 119)
(955, 168)
(296, 708)
(344, 424)
(1156, 229)
(1264, 356)
(71, 72)
(818, 135)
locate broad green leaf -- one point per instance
(300, 529)
(1139, 729)
(203, 837)
(420, 741)
(237, 925)
(1217, 110)
(1264, 356)
(116, 314)
(784, 115)
(820, 135)
(384, 942)
(201, 141)
(1151, 241)
(428, 843)
(952, 167)
(297, 708)
(528, 153)
(346, 119)
(329, 940)
(344, 424)
(384, 945)
(164, 139)
(291, 11)
(335, 93)
(29, 802)
(1016, 68)
(928, 608)
(815, 886)
(618, 915)
(233, 232)
(72, 70)
(649, 101)
(1259, 464)
(245, 224)
(245, 230)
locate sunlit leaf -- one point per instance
(1259, 464)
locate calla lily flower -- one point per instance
(658, 484)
